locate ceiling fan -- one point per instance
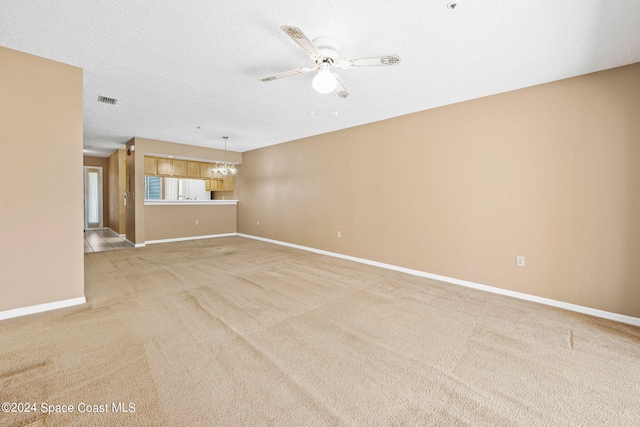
(325, 53)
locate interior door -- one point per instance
(92, 198)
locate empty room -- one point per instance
(320, 213)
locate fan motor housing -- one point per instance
(328, 47)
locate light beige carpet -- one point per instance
(237, 332)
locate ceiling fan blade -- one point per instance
(287, 74)
(371, 61)
(299, 37)
(341, 89)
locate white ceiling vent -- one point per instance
(106, 100)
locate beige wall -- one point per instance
(170, 222)
(104, 164)
(154, 146)
(136, 218)
(550, 172)
(117, 180)
(41, 208)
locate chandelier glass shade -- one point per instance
(225, 168)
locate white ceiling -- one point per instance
(176, 65)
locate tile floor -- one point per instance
(103, 240)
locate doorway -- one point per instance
(93, 198)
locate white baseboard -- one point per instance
(135, 245)
(17, 312)
(519, 295)
(181, 239)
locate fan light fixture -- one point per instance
(325, 53)
(224, 168)
(324, 82)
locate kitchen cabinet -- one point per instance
(205, 170)
(193, 169)
(213, 185)
(227, 183)
(179, 168)
(150, 166)
(159, 166)
(164, 167)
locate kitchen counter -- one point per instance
(189, 202)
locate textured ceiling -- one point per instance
(175, 66)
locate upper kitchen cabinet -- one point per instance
(179, 168)
(205, 170)
(150, 166)
(164, 167)
(193, 169)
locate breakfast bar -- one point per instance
(173, 220)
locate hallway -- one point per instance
(103, 240)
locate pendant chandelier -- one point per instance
(225, 168)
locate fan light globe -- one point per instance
(324, 82)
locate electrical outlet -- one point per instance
(257, 222)
(197, 222)
(520, 261)
(339, 234)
